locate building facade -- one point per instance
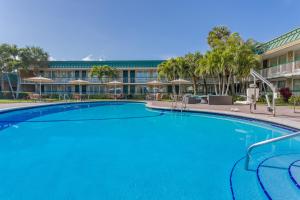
(281, 61)
(280, 64)
(133, 75)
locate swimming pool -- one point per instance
(120, 150)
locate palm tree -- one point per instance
(104, 71)
(191, 62)
(171, 69)
(218, 36)
(229, 57)
(30, 57)
(9, 62)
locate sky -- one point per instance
(138, 29)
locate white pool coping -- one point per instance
(271, 119)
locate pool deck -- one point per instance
(284, 114)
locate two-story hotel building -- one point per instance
(280, 64)
(281, 61)
(133, 74)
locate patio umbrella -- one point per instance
(79, 82)
(180, 82)
(114, 83)
(154, 83)
(40, 80)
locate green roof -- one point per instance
(112, 63)
(280, 41)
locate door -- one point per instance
(83, 75)
(125, 89)
(132, 76)
(76, 88)
(132, 89)
(125, 76)
(77, 74)
(83, 89)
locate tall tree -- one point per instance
(9, 62)
(30, 57)
(192, 62)
(218, 36)
(171, 69)
(229, 57)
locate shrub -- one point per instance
(239, 98)
(98, 96)
(285, 93)
(294, 99)
(23, 95)
(5, 95)
(262, 99)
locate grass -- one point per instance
(15, 101)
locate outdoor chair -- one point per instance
(77, 97)
(34, 96)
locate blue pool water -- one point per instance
(123, 150)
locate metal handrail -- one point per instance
(258, 144)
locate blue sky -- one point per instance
(138, 29)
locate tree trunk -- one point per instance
(215, 89)
(228, 84)
(10, 86)
(2, 81)
(195, 85)
(219, 92)
(205, 86)
(233, 86)
(223, 83)
(18, 84)
(174, 90)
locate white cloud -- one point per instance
(101, 58)
(51, 58)
(88, 58)
(167, 57)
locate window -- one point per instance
(273, 62)
(280, 84)
(296, 86)
(265, 64)
(297, 55)
(282, 59)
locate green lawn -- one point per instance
(15, 101)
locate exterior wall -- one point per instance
(133, 78)
(282, 68)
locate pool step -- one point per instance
(294, 172)
(270, 177)
(245, 190)
(274, 178)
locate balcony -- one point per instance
(97, 81)
(283, 70)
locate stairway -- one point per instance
(272, 177)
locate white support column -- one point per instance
(294, 62)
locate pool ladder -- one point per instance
(183, 104)
(265, 142)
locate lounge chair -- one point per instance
(77, 97)
(34, 96)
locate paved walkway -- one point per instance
(7, 106)
(284, 114)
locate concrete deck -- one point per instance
(284, 114)
(8, 106)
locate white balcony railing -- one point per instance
(137, 80)
(282, 70)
